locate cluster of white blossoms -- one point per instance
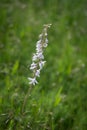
(38, 57)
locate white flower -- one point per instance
(45, 45)
(33, 66)
(46, 41)
(40, 55)
(40, 36)
(45, 33)
(37, 73)
(41, 64)
(38, 42)
(34, 58)
(32, 81)
(39, 47)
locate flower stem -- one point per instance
(25, 99)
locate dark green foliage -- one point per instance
(58, 102)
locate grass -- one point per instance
(58, 102)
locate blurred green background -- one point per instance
(59, 101)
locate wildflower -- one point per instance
(40, 36)
(33, 66)
(39, 47)
(38, 42)
(37, 74)
(38, 57)
(41, 64)
(33, 81)
(45, 34)
(46, 41)
(45, 45)
(34, 58)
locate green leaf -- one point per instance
(15, 67)
(58, 97)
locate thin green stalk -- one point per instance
(25, 99)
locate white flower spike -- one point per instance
(38, 57)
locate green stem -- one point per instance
(25, 99)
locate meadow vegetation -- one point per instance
(59, 100)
